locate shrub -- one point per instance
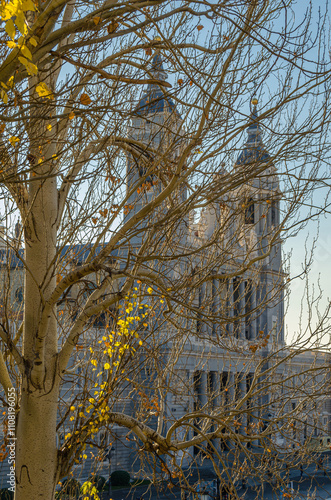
(71, 487)
(98, 481)
(120, 478)
(5, 494)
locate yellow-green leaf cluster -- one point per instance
(29, 66)
(90, 490)
(13, 14)
(44, 91)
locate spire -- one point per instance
(254, 150)
(154, 99)
(157, 69)
(254, 129)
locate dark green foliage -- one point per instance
(140, 482)
(5, 494)
(120, 478)
(71, 487)
(98, 481)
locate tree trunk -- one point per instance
(36, 464)
(36, 459)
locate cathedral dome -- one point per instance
(155, 100)
(254, 150)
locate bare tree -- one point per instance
(178, 276)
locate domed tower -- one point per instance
(258, 202)
(155, 131)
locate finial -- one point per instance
(254, 101)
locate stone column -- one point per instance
(216, 309)
(242, 309)
(217, 404)
(253, 316)
(229, 308)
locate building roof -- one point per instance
(254, 150)
(78, 253)
(155, 99)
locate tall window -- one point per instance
(274, 210)
(249, 211)
(199, 315)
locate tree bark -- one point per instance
(36, 465)
(36, 454)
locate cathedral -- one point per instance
(229, 355)
(238, 237)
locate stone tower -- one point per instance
(260, 197)
(155, 134)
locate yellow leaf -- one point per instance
(10, 82)
(26, 52)
(112, 27)
(149, 290)
(29, 66)
(11, 45)
(71, 115)
(33, 41)
(107, 366)
(4, 96)
(13, 140)
(44, 91)
(96, 20)
(200, 27)
(20, 22)
(49, 127)
(28, 5)
(9, 11)
(10, 29)
(85, 99)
